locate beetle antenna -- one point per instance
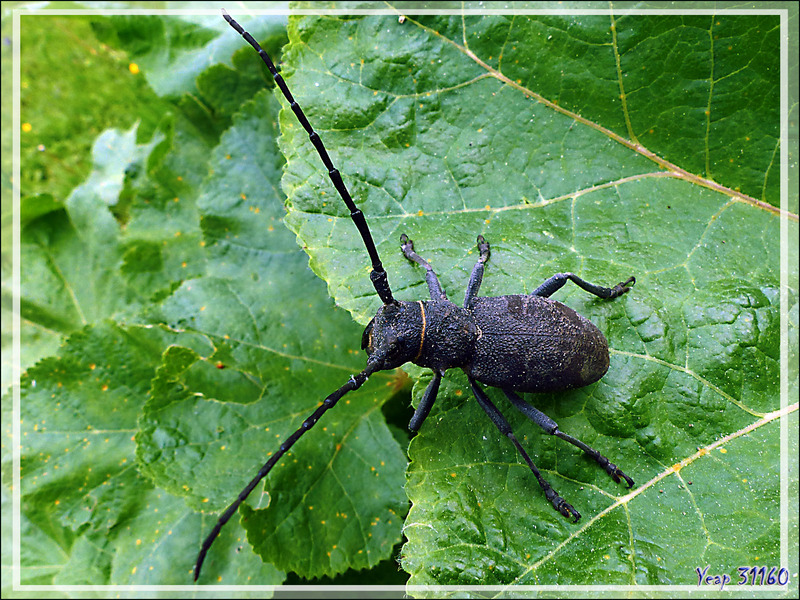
(378, 275)
(356, 381)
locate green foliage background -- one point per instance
(172, 332)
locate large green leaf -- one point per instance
(276, 348)
(443, 128)
(252, 347)
(79, 474)
(127, 183)
(93, 88)
(602, 146)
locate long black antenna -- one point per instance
(355, 382)
(378, 275)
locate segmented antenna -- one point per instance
(355, 382)
(378, 275)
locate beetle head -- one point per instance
(393, 337)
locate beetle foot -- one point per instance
(562, 506)
(616, 473)
(622, 287)
(483, 248)
(406, 244)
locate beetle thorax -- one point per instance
(437, 335)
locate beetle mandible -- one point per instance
(517, 343)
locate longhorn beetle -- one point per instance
(518, 343)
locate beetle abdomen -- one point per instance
(535, 344)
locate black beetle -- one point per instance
(518, 343)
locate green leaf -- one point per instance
(269, 347)
(259, 321)
(155, 241)
(93, 89)
(65, 250)
(173, 51)
(578, 144)
(567, 178)
(127, 235)
(82, 264)
(79, 417)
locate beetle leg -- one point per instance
(424, 406)
(601, 460)
(500, 422)
(434, 287)
(477, 272)
(551, 427)
(557, 281)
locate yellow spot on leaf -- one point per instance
(133, 68)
